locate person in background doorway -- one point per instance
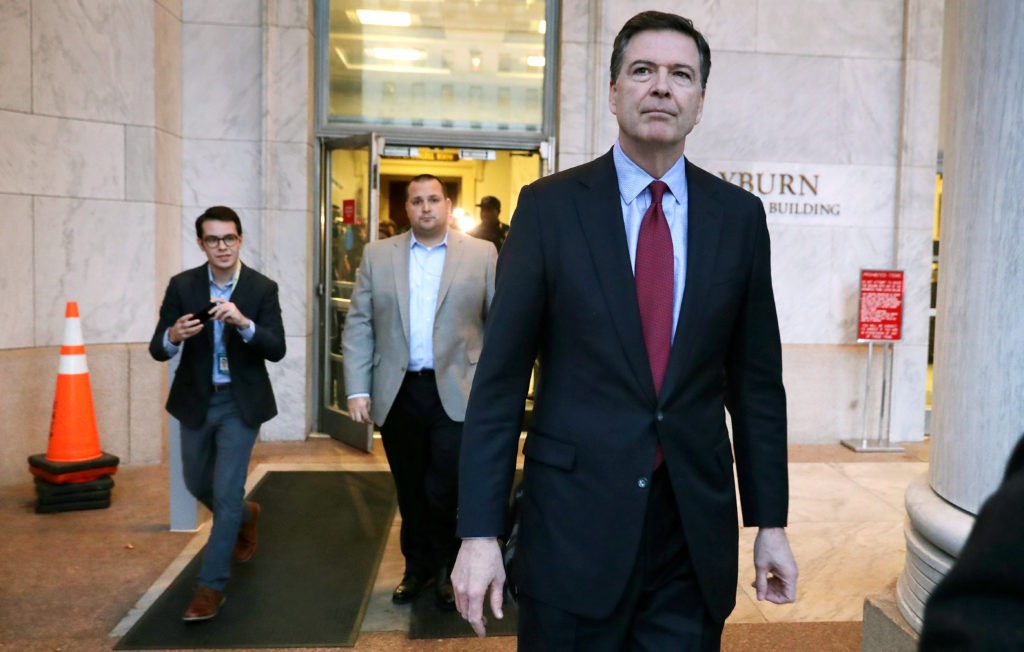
(411, 341)
(490, 228)
(628, 538)
(224, 319)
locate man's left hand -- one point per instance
(229, 313)
(774, 567)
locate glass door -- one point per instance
(350, 173)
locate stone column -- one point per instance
(979, 340)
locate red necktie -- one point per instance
(655, 287)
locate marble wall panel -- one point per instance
(16, 55)
(168, 238)
(825, 392)
(576, 22)
(26, 405)
(167, 168)
(769, 108)
(806, 194)
(923, 86)
(222, 12)
(288, 238)
(816, 276)
(167, 63)
(218, 172)
(576, 103)
(109, 377)
(221, 83)
(869, 28)
(146, 420)
(869, 113)
(16, 279)
(286, 178)
(140, 163)
(924, 30)
(289, 93)
(100, 254)
(915, 249)
(726, 24)
(909, 392)
(289, 13)
(290, 379)
(65, 158)
(93, 60)
(801, 264)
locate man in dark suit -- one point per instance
(979, 605)
(647, 333)
(224, 319)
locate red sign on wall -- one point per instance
(348, 211)
(881, 305)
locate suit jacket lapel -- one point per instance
(704, 217)
(600, 213)
(199, 296)
(452, 258)
(400, 268)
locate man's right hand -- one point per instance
(184, 328)
(479, 571)
(359, 409)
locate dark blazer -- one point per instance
(566, 291)
(256, 297)
(979, 605)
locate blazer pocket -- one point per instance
(550, 451)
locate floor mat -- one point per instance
(321, 538)
(429, 621)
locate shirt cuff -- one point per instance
(170, 348)
(248, 332)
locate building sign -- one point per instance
(881, 305)
(785, 193)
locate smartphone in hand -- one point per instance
(203, 314)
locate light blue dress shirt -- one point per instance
(635, 198)
(216, 292)
(425, 267)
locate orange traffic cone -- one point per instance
(73, 434)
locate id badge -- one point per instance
(222, 365)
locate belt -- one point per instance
(223, 387)
(420, 372)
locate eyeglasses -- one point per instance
(213, 242)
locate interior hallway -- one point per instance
(68, 580)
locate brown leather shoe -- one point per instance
(245, 545)
(205, 605)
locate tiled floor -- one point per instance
(846, 529)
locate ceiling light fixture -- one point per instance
(397, 54)
(535, 61)
(384, 18)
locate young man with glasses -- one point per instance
(224, 319)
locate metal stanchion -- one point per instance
(881, 443)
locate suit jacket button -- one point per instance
(660, 416)
(642, 483)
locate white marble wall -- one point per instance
(846, 93)
(121, 121)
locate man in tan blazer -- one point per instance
(412, 338)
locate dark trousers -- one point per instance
(215, 461)
(422, 447)
(661, 609)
